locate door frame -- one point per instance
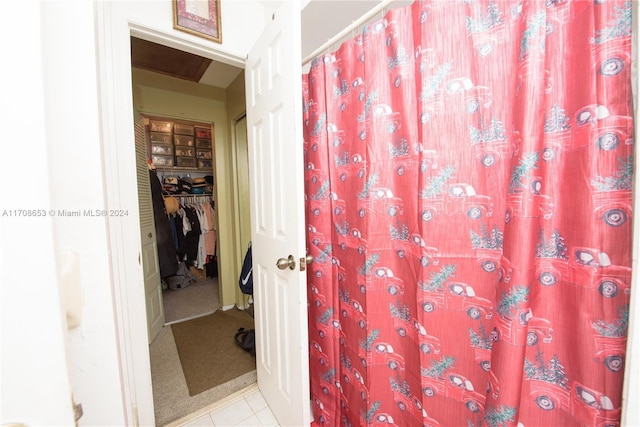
(117, 124)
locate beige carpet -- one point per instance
(195, 300)
(171, 398)
(170, 394)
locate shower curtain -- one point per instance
(468, 170)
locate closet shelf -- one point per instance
(182, 169)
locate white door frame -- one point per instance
(116, 106)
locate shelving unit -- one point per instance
(176, 169)
(179, 146)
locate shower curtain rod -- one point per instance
(355, 24)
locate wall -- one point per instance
(236, 99)
(242, 21)
(236, 108)
(65, 122)
(34, 372)
(76, 176)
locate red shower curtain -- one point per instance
(468, 199)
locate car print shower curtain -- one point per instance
(468, 172)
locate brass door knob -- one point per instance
(284, 263)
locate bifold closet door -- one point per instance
(149, 250)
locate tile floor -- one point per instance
(247, 409)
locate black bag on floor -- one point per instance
(212, 266)
(246, 339)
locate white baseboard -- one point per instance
(189, 318)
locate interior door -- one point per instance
(274, 128)
(149, 250)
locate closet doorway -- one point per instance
(160, 92)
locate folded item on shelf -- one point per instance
(185, 184)
(199, 182)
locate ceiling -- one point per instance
(315, 31)
(172, 62)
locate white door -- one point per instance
(274, 129)
(149, 252)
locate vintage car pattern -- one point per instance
(468, 192)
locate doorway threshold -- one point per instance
(197, 316)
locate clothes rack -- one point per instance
(192, 198)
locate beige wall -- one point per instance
(236, 108)
(155, 94)
(236, 100)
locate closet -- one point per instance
(181, 152)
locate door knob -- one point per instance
(289, 262)
(150, 235)
(308, 259)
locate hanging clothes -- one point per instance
(201, 257)
(210, 231)
(174, 231)
(180, 232)
(167, 260)
(192, 236)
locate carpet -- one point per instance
(208, 353)
(171, 400)
(195, 300)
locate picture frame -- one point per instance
(198, 17)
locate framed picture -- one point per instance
(198, 17)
